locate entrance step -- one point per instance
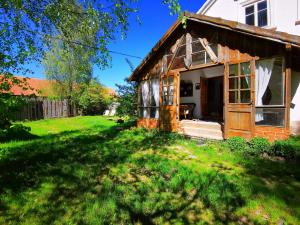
(201, 129)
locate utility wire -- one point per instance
(74, 42)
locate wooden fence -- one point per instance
(36, 108)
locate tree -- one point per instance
(127, 96)
(27, 27)
(93, 98)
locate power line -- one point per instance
(78, 43)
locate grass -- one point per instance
(89, 170)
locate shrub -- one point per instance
(15, 132)
(238, 144)
(286, 149)
(259, 145)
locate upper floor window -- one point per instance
(257, 14)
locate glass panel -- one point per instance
(270, 116)
(171, 99)
(249, 10)
(245, 68)
(165, 82)
(181, 51)
(140, 112)
(165, 99)
(246, 82)
(250, 20)
(262, 5)
(171, 90)
(245, 96)
(199, 58)
(196, 46)
(233, 70)
(171, 80)
(262, 17)
(233, 83)
(269, 82)
(233, 97)
(153, 112)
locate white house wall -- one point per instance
(283, 15)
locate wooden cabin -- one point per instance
(215, 78)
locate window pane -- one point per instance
(171, 80)
(249, 10)
(171, 99)
(196, 46)
(199, 58)
(233, 83)
(171, 90)
(140, 112)
(246, 82)
(269, 116)
(245, 96)
(250, 20)
(181, 51)
(245, 68)
(233, 97)
(262, 5)
(233, 70)
(269, 82)
(165, 82)
(262, 18)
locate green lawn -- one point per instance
(86, 170)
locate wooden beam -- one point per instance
(208, 49)
(288, 75)
(188, 59)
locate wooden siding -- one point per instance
(148, 123)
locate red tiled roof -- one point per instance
(37, 87)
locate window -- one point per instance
(240, 83)
(249, 12)
(168, 90)
(269, 90)
(149, 99)
(257, 14)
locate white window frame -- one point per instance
(255, 4)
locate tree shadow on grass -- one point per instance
(276, 180)
(88, 177)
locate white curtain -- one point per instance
(155, 92)
(263, 72)
(146, 98)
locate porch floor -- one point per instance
(202, 129)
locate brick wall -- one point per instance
(148, 123)
(272, 133)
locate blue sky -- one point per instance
(155, 20)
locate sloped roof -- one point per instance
(38, 87)
(276, 36)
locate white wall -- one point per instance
(283, 14)
(194, 76)
(295, 112)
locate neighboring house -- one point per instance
(279, 15)
(38, 101)
(218, 79)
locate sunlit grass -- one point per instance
(90, 170)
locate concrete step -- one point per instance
(202, 124)
(200, 132)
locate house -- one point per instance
(270, 14)
(219, 78)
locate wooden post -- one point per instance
(288, 75)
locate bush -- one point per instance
(259, 145)
(237, 144)
(15, 132)
(286, 149)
